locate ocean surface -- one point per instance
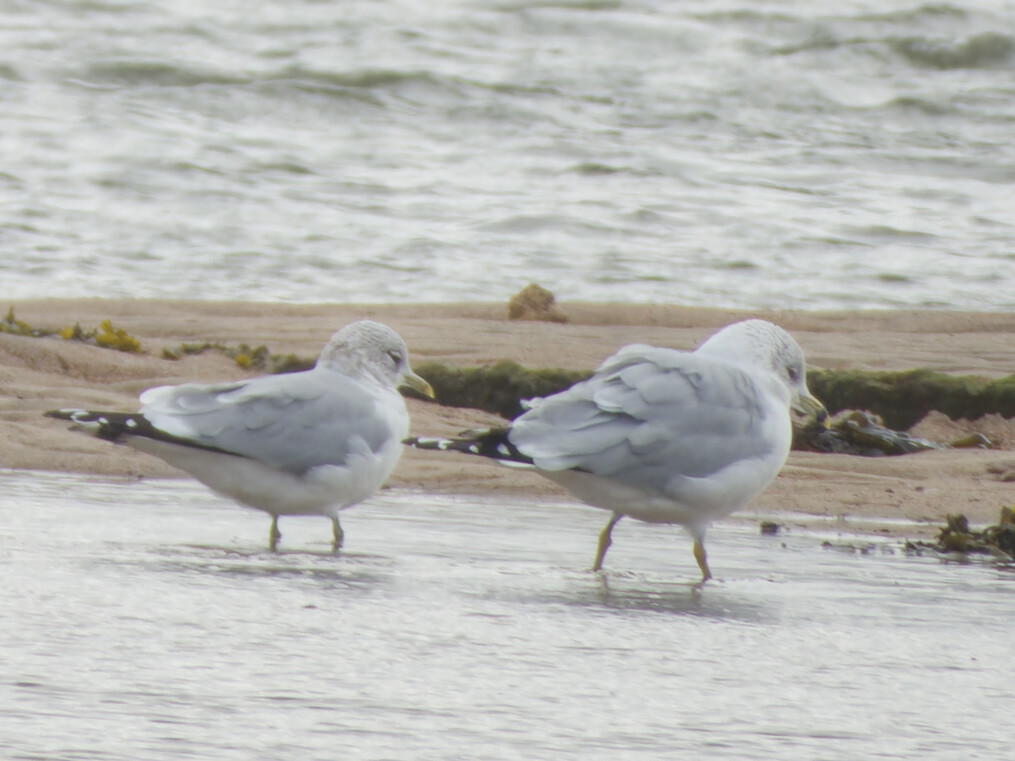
(146, 620)
(762, 154)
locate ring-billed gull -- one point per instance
(307, 443)
(662, 435)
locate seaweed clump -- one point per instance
(534, 302)
(12, 325)
(109, 337)
(863, 433)
(956, 537)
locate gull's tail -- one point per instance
(492, 443)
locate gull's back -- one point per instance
(290, 422)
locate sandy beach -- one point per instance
(37, 374)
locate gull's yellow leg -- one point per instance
(605, 540)
(274, 534)
(699, 555)
(339, 534)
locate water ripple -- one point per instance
(484, 146)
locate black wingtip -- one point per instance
(423, 442)
(492, 443)
(61, 414)
(104, 425)
(119, 426)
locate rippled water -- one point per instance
(756, 154)
(145, 620)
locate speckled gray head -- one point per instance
(369, 348)
(763, 344)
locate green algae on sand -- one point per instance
(247, 357)
(499, 388)
(903, 398)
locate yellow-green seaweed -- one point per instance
(115, 338)
(15, 327)
(105, 335)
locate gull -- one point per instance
(661, 435)
(307, 443)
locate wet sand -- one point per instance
(39, 374)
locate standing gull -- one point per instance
(308, 443)
(661, 435)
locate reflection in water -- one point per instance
(143, 620)
(351, 569)
(678, 598)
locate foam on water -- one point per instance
(146, 620)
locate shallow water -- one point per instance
(146, 620)
(733, 153)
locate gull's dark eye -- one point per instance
(396, 357)
(794, 374)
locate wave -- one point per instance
(988, 50)
(599, 169)
(367, 79)
(139, 72)
(525, 6)
(918, 14)
(165, 73)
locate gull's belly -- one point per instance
(687, 501)
(322, 490)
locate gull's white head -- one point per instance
(760, 343)
(372, 349)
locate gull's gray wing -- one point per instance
(646, 416)
(292, 422)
